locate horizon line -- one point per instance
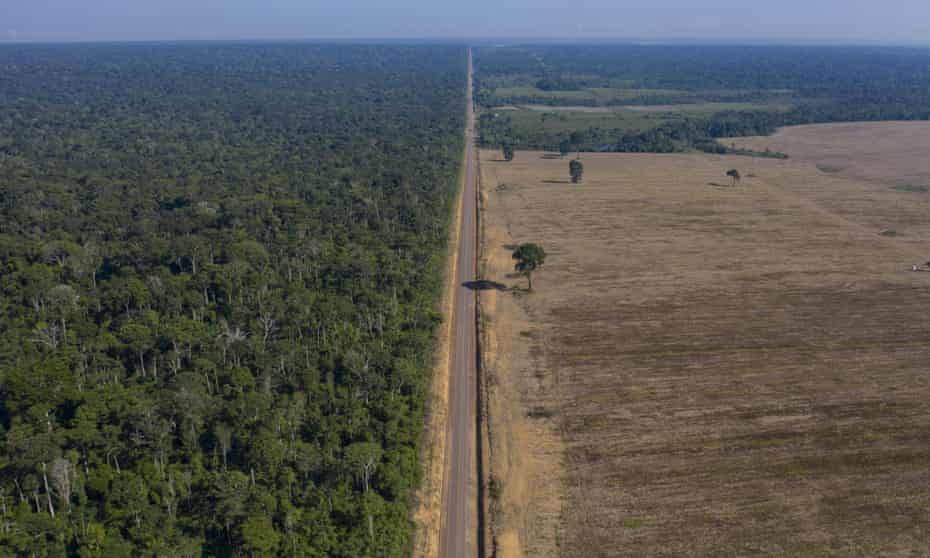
(502, 41)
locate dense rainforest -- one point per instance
(818, 85)
(219, 267)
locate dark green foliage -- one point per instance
(496, 129)
(576, 171)
(507, 151)
(734, 175)
(674, 74)
(559, 84)
(819, 84)
(529, 257)
(218, 275)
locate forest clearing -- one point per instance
(712, 368)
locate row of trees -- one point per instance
(218, 275)
(575, 166)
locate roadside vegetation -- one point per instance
(219, 268)
(667, 99)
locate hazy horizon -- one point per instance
(905, 22)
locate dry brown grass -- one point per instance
(893, 153)
(709, 370)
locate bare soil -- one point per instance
(707, 369)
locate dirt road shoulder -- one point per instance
(523, 453)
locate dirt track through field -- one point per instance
(708, 369)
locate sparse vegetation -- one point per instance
(913, 188)
(494, 489)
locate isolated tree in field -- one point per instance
(529, 258)
(734, 176)
(565, 147)
(576, 170)
(507, 151)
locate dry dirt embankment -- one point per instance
(707, 369)
(523, 456)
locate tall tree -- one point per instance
(576, 171)
(507, 150)
(529, 257)
(734, 176)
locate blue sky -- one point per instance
(888, 21)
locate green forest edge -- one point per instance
(219, 275)
(827, 84)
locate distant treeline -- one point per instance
(644, 97)
(823, 85)
(811, 72)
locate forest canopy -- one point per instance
(671, 91)
(218, 273)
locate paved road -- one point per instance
(455, 494)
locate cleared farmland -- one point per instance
(707, 369)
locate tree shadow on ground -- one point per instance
(485, 285)
(718, 185)
(556, 182)
(551, 156)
